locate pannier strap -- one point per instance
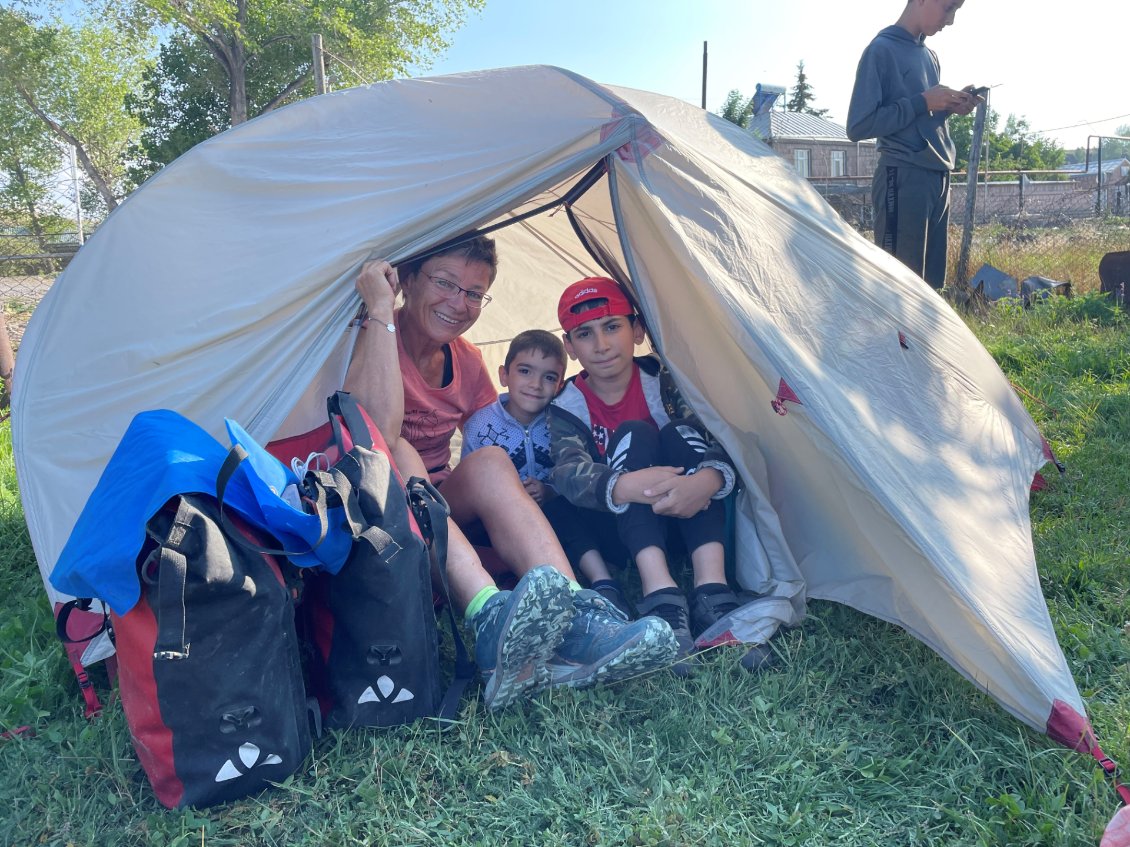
(234, 459)
(62, 616)
(172, 572)
(83, 604)
(343, 406)
(431, 512)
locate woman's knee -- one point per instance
(485, 470)
(493, 460)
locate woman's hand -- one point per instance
(378, 286)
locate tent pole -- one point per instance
(704, 75)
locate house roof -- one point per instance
(772, 126)
(1109, 166)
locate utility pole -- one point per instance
(704, 75)
(319, 64)
(80, 236)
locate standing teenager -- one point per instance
(898, 99)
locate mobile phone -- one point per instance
(980, 91)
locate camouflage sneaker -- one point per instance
(601, 645)
(517, 631)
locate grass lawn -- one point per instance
(862, 736)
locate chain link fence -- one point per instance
(41, 229)
(1051, 224)
(1029, 223)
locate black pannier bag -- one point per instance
(375, 657)
(209, 668)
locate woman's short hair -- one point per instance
(479, 249)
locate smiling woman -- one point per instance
(444, 379)
(421, 381)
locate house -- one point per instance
(817, 147)
(1116, 171)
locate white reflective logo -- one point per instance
(249, 757)
(385, 687)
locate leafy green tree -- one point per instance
(184, 97)
(29, 157)
(364, 40)
(73, 79)
(1112, 148)
(802, 98)
(737, 109)
(1015, 147)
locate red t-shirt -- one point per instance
(431, 415)
(606, 417)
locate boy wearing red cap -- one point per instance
(625, 444)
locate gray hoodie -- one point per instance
(887, 103)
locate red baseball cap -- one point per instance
(592, 288)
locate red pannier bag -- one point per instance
(373, 624)
(208, 660)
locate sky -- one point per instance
(1065, 72)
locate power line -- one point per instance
(1085, 123)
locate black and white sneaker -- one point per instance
(710, 605)
(609, 589)
(670, 605)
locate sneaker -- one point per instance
(609, 589)
(707, 609)
(670, 605)
(603, 646)
(517, 631)
(760, 658)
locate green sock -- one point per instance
(478, 601)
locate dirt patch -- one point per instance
(19, 296)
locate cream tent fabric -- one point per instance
(896, 483)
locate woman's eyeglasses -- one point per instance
(475, 299)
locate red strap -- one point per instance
(93, 704)
(1111, 768)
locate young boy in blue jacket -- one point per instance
(533, 371)
(626, 446)
(898, 99)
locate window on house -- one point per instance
(839, 163)
(800, 161)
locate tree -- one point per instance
(365, 40)
(29, 156)
(72, 79)
(1114, 149)
(1013, 148)
(737, 108)
(802, 95)
(184, 97)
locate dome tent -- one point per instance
(886, 459)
